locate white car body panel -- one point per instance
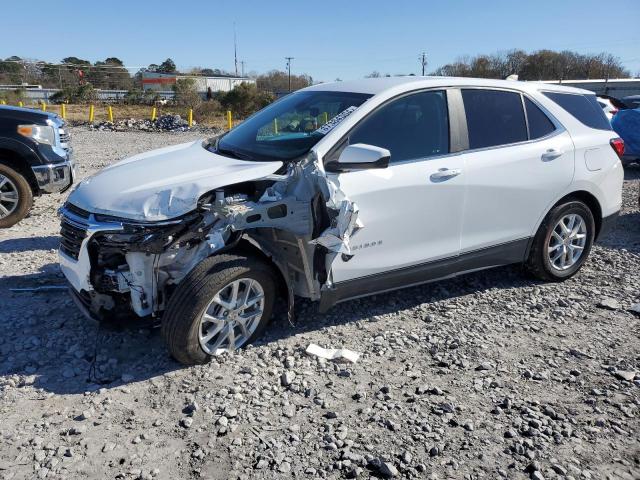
(508, 187)
(408, 217)
(164, 183)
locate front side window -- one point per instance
(494, 117)
(290, 127)
(412, 127)
(584, 108)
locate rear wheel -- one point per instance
(16, 197)
(223, 304)
(562, 243)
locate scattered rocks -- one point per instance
(488, 375)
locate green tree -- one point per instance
(186, 93)
(168, 66)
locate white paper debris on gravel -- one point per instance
(333, 353)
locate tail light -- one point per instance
(618, 145)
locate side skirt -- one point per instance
(495, 256)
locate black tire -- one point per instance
(539, 264)
(181, 320)
(25, 196)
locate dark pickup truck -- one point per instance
(35, 158)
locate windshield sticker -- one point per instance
(331, 124)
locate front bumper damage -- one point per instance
(301, 220)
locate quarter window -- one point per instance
(494, 117)
(584, 108)
(539, 123)
(412, 127)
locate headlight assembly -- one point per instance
(40, 133)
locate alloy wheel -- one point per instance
(8, 196)
(232, 316)
(567, 242)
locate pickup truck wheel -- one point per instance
(562, 243)
(16, 197)
(223, 304)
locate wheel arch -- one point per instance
(590, 201)
(17, 162)
(247, 247)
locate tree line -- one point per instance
(111, 74)
(538, 65)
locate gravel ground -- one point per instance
(490, 375)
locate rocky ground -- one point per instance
(490, 375)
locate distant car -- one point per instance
(35, 158)
(632, 101)
(627, 124)
(607, 107)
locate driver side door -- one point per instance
(411, 210)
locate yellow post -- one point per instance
(229, 121)
(44, 107)
(326, 118)
(275, 126)
(3, 102)
(20, 104)
(154, 113)
(190, 117)
(63, 110)
(110, 113)
(91, 113)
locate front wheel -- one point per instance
(16, 197)
(223, 304)
(562, 243)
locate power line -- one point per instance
(288, 59)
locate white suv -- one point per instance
(339, 191)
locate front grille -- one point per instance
(72, 237)
(65, 138)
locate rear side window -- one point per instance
(584, 108)
(412, 127)
(539, 123)
(494, 117)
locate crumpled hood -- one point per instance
(164, 183)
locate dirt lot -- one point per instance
(490, 375)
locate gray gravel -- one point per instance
(490, 375)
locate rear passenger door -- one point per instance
(518, 162)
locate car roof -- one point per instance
(375, 86)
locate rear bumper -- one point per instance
(608, 224)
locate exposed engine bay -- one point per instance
(298, 218)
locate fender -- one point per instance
(21, 149)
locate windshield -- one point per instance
(289, 127)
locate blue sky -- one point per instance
(329, 39)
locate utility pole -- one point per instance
(235, 48)
(288, 59)
(423, 62)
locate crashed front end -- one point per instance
(120, 268)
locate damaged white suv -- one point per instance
(339, 191)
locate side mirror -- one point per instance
(360, 157)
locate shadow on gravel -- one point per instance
(626, 233)
(28, 244)
(52, 346)
(367, 308)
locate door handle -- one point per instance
(445, 174)
(551, 154)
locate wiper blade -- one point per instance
(234, 154)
